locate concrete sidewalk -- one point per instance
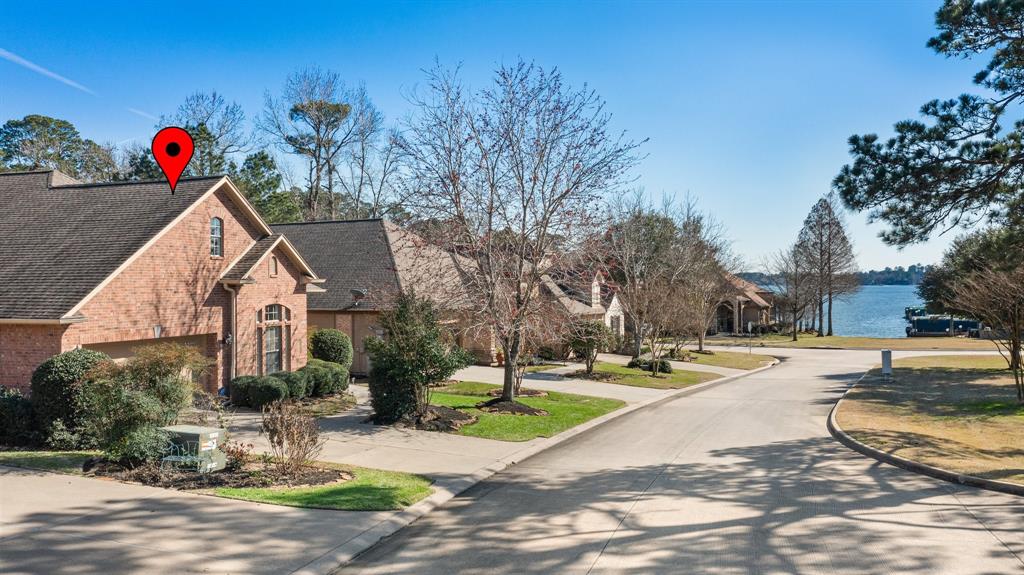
(57, 524)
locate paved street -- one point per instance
(739, 478)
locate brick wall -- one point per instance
(23, 348)
(172, 284)
(286, 290)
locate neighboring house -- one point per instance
(594, 297)
(748, 305)
(114, 267)
(367, 264)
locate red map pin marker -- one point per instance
(173, 148)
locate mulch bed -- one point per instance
(435, 418)
(509, 407)
(595, 376)
(521, 393)
(252, 475)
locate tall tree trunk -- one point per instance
(794, 325)
(830, 312)
(508, 389)
(821, 314)
(700, 341)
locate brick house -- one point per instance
(113, 267)
(366, 264)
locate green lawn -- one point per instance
(848, 342)
(630, 376)
(565, 410)
(733, 359)
(368, 490)
(57, 461)
(542, 367)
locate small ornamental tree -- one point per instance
(413, 354)
(586, 339)
(332, 345)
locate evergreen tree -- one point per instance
(963, 165)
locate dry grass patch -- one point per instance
(959, 413)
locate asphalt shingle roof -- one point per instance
(251, 258)
(349, 255)
(58, 243)
(376, 258)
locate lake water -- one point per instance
(874, 311)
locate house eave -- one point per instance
(44, 321)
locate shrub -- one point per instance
(56, 387)
(325, 377)
(294, 438)
(413, 355)
(586, 339)
(60, 438)
(663, 365)
(297, 382)
(238, 389)
(16, 419)
(264, 390)
(123, 406)
(332, 345)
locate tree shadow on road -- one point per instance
(790, 506)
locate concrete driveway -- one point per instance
(739, 478)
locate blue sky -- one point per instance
(747, 105)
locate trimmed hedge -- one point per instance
(664, 366)
(332, 345)
(266, 389)
(297, 382)
(16, 424)
(238, 390)
(56, 387)
(325, 377)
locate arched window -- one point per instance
(274, 321)
(217, 237)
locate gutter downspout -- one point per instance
(234, 323)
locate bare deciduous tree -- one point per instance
(829, 252)
(217, 127)
(996, 297)
(511, 176)
(792, 280)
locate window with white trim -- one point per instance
(217, 237)
(274, 326)
(273, 267)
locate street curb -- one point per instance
(909, 465)
(446, 490)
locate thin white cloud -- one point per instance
(146, 115)
(40, 70)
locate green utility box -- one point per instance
(196, 447)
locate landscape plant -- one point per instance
(325, 377)
(413, 354)
(56, 389)
(586, 339)
(16, 418)
(294, 438)
(332, 345)
(124, 405)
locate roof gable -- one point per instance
(63, 241)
